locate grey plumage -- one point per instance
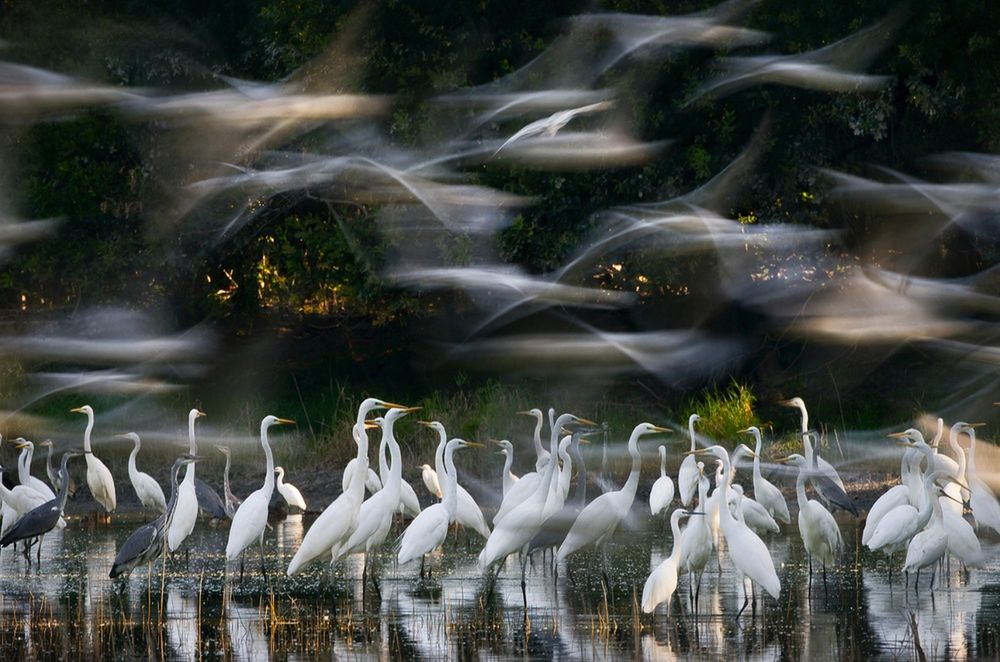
(827, 490)
(41, 520)
(148, 542)
(232, 501)
(209, 500)
(555, 528)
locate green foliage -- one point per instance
(725, 411)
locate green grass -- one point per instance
(725, 411)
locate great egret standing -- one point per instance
(17, 501)
(825, 467)
(747, 551)
(468, 514)
(289, 492)
(601, 517)
(99, 479)
(337, 522)
(429, 529)
(696, 539)
(251, 517)
(516, 530)
(375, 516)
(819, 531)
(24, 469)
(983, 502)
(662, 492)
(555, 527)
(929, 545)
(687, 476)
(186, 510)
(764, 491)
(146, 488)
(662, 582)
(147, 543)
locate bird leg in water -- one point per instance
(263, 567)
(746, 599)
(524, 591)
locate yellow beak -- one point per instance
(475, 443)
(77, 410)
(282, 421)
(657, 428)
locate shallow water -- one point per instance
(72, 609)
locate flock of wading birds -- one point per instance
(934, 511)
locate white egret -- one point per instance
(250, 519)
(555, 526)
(764, 491)
(507, 450)
(375, 516)
(825, 467)
(99, 479)
(928, 546)
(747, 551)
(372, 482)
(146, 488)
(430, 479)
(24, 469)
(186, 510)
(895, 496)
(662, 582)
(289, 492)
(819, 531)
(429, 529)
(662, 492)
(467, 512)
(17, 501)
(983, 502)
(338, 520)
(602, 516)
(409, 504)
(687, 476)
(542, 455)
(754, 515)
(696, 538)
(515, 531)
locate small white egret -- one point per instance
(430, 479)
(687, 476)
(99, 479)
(696, 539)
(662, 492)
(895, 496)
(429, 529)
(146, 488)
(186, 510)
(250, 519)
(24, 469)
(291, 494)
(662, 582)
(764, 491)
(819, 531)
(928, 546)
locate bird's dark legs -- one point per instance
(263, 567)
(524, 590)
(746, 599)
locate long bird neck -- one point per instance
(396, 469)
(758, 448)
(64, 488)
(172, 502)
(663, 462)
(450, 496)
(702, 492)
(87, 431)
(269, 476)
(675, 529)
(957, 450)
(580, 494)
(632, 484)
(725, 516)
(927, 507)
(971, 468)
(225, 478)
(508, 460)
(356, 488)
(132, 469)
(537, 439)
(439, 458)
(805, 419)
(24, 466)
(383, 465)
(192, 449)
(800, 489)
(691, 431)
